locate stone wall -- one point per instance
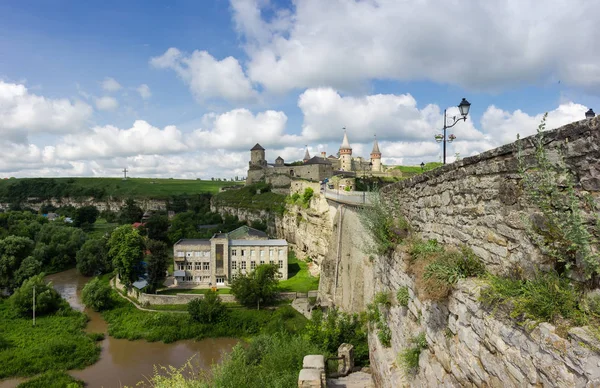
(477, 200)
(469, 346)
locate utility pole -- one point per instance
(125, 173)
(34, 305)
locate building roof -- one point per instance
(332, 157)
(138, 224)
(375, 147)
(246, 231)
(345, 144)
(306, 155)
(257, 147)
(317, 160)
(179, 273)
(193, 241)
(140, 284)
(246, 243)
(279, 158)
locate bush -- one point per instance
(258, 287)
(382, 298)
(409, 358)
(47, 300)
(423, 249)
(385, 230)
(384, 334)
(548, 297)
(53, 379)
(97, 295)
(207, 310)
(402, 296)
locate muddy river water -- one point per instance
(123, 362)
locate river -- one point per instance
(123, 362)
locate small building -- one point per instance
(216, 261)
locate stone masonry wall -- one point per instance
(477, 200)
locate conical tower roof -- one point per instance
(306, 154)
(375, 147)
(345, 144)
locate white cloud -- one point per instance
(23, 113)
(144, 91)
(110, 84)
(489, 45)
(106, 103)
(208, 77)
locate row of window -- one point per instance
(244, 252)
(253, 264)
(194, 266)
(193, 254)
(279, 275)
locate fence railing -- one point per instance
(350, 197)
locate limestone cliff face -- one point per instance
(104, 204)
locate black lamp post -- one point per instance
(422, 166)
(590, 114)
(463, 107)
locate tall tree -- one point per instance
(130, 213)
(259, 287)
(156, 227)
(158, 262)
(57, 245)
(85, 216)
(92, 258)
(13, 251)
(126, 250)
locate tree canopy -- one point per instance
(126, 250)
(92, 258)
(13, 251)
(158, 262)
(258, 287)
(210, 309)
(47, 300)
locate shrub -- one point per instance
(423, 249)
(207, 310)
(382, 298)
(384, 334)
(385, 230)
(53, 379)
(402, 296)
(409, 358)
(97, 295)
(47, 300)
(547, 297)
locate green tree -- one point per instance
(207, 310)
(97, 295)
(13, 251)
(126, 250)
(130, 213)
(260, 286)
(92, 257)
(57, 245)
(158, 262)
(156, 227)
(29, 267)
(47, 300)
(85, 216)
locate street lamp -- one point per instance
(463, 107)
(422, 166)
(590, 114)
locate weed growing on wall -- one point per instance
(385, 230)
(402, 296)
(561, 232)
(376, 318)
(409, 357)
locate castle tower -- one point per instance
(376, 157)
(257, 156)
(306, 156)
(345, 154)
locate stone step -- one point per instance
(353, 380)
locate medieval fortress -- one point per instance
(316, 168)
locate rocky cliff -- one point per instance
(102, 205)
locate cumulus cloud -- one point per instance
(207, 77)
(144, 91)
(489, 45)
(110, 84)
(23, 113)
(106, 103)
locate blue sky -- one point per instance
(185, 88)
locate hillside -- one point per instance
(14, 190)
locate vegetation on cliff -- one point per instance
(257, 196)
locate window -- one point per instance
(205, 266)
(234, 276)
(243, 252)
(281, 252)
(197, 253)
(180, 254)
(188, 278)
(189, 266)
(279, 275)
(262, 262)
(234, 252)
(206, 253)
(188, 254)
(252, 264)
(252, 252)
(280, 263)
(181, 267)
(243, 263)
(271, 262)
(197, 266)
(206, 279)
(234, 265)
(270, 252)
(220, 279)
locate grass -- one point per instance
(100, 227)
(57, 342)
(409, 171)
(196, 291)
(248, 198)
(299, 278)
(53, 379)
(169, 307)
(403, 296)
(119, 188)
(409, 358)
(125, 321)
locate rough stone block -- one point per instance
(345, 365)
(309, 378)
(314, 361)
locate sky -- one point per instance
(184, 89)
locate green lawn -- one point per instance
(414, 170)
(299, 279)
(101, 227)
(108, 187)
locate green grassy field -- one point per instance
(299, 279)
(101, 227)
(106, 187)
(417, 169)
